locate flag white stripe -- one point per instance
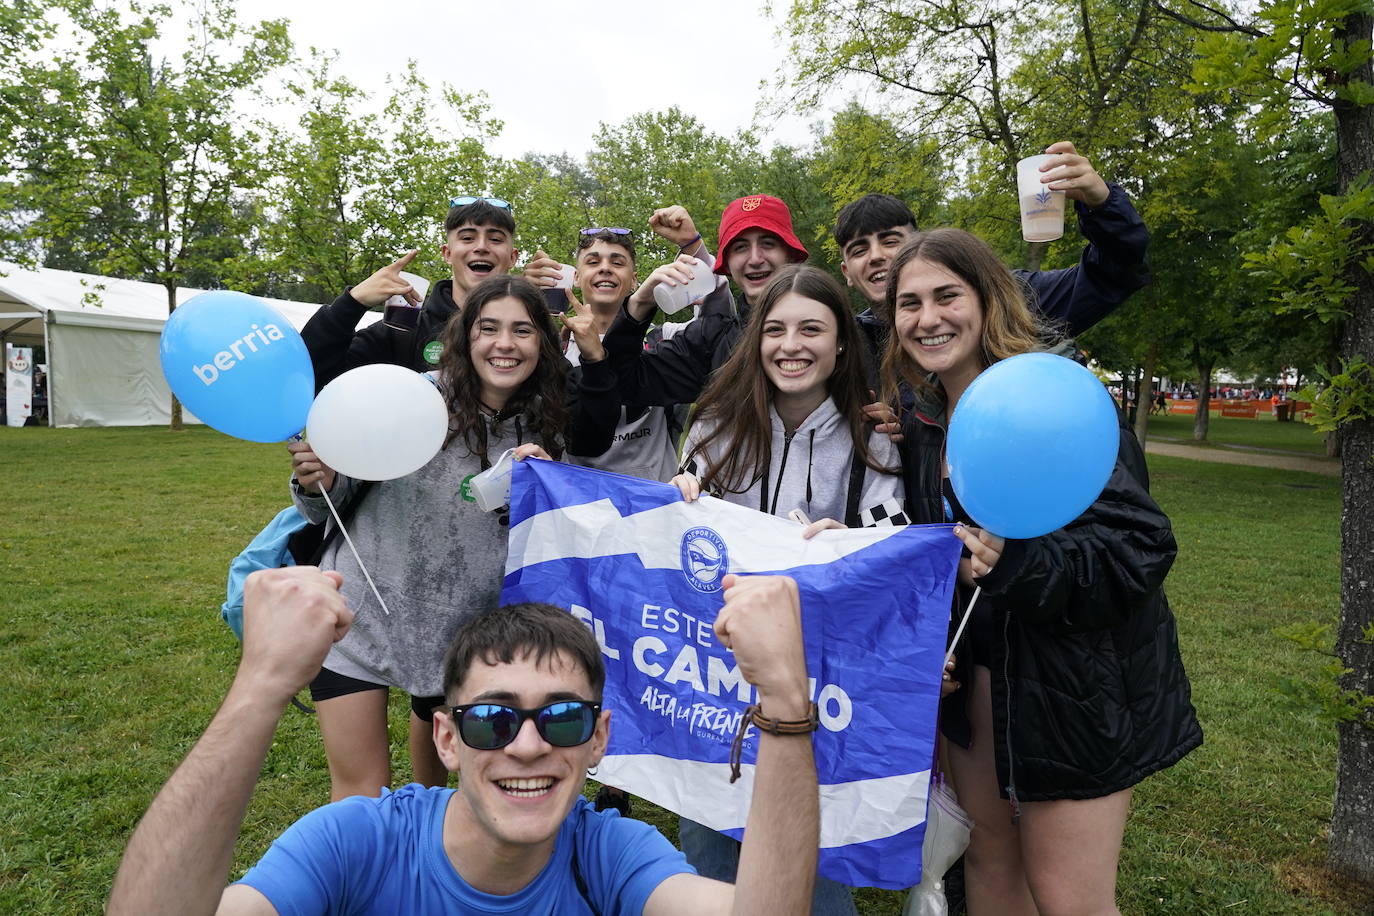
(851, 812)
(755, 542)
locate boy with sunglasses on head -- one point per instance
(645, 443)
(524, 725)
(479, 242)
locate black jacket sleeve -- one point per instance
(1111, 267)
(1098, 570)
(677, 370)
(593, 409)
(335, 346)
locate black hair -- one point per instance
(586, 240)
(479, 213)
(501, 635)
(871, 213)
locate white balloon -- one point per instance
(378, 422)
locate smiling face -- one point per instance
(516, 797)
(605, 274)
(867, 258)
(504, 344)
(474, 253)
(798, 350)
(752, 258)
(938, 321)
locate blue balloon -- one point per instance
(239, 366)
(1031, 444)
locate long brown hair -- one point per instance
(1009, 325)
(737, 399)
(540, 397)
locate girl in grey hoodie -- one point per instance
(780, 428)
(435, 557)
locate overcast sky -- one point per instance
(554, 70)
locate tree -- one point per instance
(149, 154)
(654, 159)
(989, 83)
(1296, 57)
(353, 188)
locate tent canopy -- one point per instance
(101, 338)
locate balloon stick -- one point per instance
(968, 612)
(338, 521)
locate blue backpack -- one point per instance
(269, 550)
(288, 540)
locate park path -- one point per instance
(1260, 458)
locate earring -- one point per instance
(592, 771)
(839, 349)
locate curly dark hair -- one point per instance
(540, 399)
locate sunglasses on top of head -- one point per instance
(489, 726)
(614, 230)
(494, 201)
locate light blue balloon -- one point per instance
(1031, 444)
(239, 366)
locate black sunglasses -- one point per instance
(494, 201)
(614, 230)
(488, 726)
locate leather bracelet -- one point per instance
(691, 244)
(753, 715)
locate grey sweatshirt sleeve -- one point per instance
(312, 505)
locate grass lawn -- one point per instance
(1259, 433)
(113, 658)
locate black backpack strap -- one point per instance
(857, 468)
(308, 545)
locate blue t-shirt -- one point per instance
(386, 855)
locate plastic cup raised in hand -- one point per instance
(491, 488)
(676, 298)
(555, 297)
(1042, 210)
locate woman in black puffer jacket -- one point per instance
(1072, 688)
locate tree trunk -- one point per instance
(176, 402)
(1352, 819)
(1145, 395)
(1035, 254)
(1204, 396)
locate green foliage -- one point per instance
(356, 187)
(656, 159)
(1347, 397)
(1324, 695)
(1292, 50)
(1308, 269)
(142, 158)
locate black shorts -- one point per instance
(330, 684)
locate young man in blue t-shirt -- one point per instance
(524, 725)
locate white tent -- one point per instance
(101, 338)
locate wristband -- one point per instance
(753, 715)
(691, 244)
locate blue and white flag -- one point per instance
(643, 569)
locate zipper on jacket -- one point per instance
(1011, 758)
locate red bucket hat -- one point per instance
(757, 212)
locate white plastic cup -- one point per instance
(676, 298)
(491, 488)
(1042, 210)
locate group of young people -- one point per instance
(1067, 690)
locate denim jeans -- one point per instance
(715, 855)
